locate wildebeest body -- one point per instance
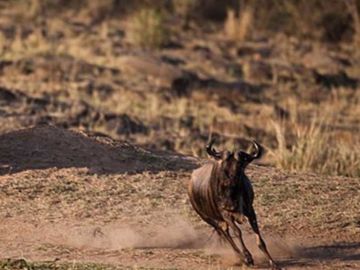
(204, 192)
(222, 195)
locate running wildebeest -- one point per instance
(222, 195)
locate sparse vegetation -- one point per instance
(312, 149)
(311, 143)
(238, 28)
(308, 151)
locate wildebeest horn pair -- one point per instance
(218, 155)
(222, 195)
(258, 152)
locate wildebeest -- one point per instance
(222, 195)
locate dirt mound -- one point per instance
(47, 146)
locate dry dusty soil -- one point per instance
(73, 201)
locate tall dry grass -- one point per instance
(239, 28)
(311, 147)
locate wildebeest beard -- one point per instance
(228, 189)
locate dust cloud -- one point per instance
(279, 247)
(179, 234)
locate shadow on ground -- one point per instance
(49, 147)
(339, 252)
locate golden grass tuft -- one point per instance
(312, 148)
(239, 28)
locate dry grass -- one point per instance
(20, 47)
(306, 151)
(147, 29)
(313, 148)
(293, 17)
(238, 29)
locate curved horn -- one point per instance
(211, 151)
(258, 150)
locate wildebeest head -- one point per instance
(233, 163)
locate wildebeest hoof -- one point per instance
(249, 260)
(276, 267)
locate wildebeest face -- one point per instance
(243, 159)
(233, 164)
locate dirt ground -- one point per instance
(56, 207)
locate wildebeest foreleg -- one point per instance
(245, 253)
(234, 246)
(260, 242)
(225, 234)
